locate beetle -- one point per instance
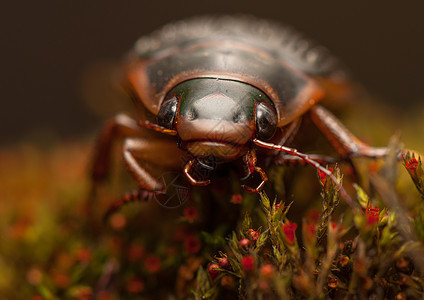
(213, 91)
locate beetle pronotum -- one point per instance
(217, 89)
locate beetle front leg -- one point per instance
(188, 167)
(135, 148)
(250, 161)
(290, 160)
(345, 143)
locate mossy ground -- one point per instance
(53, 248)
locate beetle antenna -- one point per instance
(316, 165)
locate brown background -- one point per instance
(48, 46)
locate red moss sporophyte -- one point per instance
(289, 230)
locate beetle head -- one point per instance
(217, 118)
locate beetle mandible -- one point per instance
(210, 91)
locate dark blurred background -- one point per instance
(56, 53)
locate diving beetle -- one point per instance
(211, 91)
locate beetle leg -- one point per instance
(290, 160)
(308, 160)
(190, 178)
(289, 133)
(119, 126)
(133, 196)
(345, 143)
(251, 161)
(135, 148)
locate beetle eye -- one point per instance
(266, 122)
(167, 113)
